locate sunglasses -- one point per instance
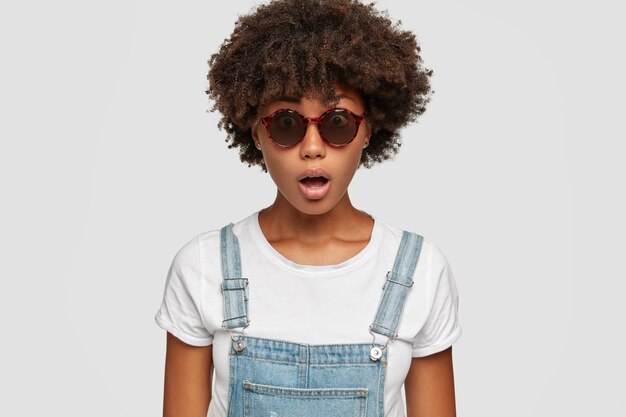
(337, 126)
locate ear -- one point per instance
(254, 132)
(368, 135)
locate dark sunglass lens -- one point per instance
(287, 128)
(338, 127)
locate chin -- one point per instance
(316, 207)
(312, 207)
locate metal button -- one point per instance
(376, 353)
(239, 346)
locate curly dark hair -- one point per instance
(302, 47)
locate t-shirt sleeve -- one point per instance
(442, 327)
(181, 311)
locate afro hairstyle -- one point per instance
(301, 47)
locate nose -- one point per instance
(312, 145)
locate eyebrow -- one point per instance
(346, 96)
(291, 99)
(288, 99)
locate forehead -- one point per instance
(342, 93)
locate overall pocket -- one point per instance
(272, 401)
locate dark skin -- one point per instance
(188, 374)
(429, 386)
(324, 231)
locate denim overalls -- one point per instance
(277, 378)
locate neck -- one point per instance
(282, 220)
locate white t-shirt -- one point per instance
(310, 304)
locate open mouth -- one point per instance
(314, 182)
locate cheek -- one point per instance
(347, 164)
(278, 167)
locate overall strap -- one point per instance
(234, 286)
(397, 285)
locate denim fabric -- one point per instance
(292, 379)
(401, 279)
(278, 378)
(235, 301)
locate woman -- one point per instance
(311, 307)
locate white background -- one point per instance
(109, 163)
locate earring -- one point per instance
(365, 145)
(258, 145)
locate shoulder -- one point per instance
(199, 257)
(186, 257)
(209, 242)
(431, 255)
(432, 275)
(430, 313)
